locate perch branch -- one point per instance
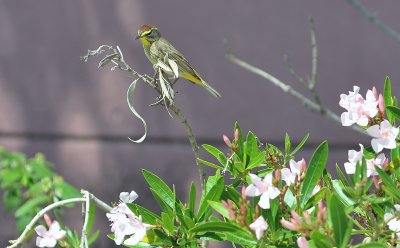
(375, 20)
(100, 204)
(118, 60)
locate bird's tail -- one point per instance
(210, 89)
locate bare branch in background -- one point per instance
(310, 84)
(375, 20)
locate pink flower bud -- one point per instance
(307, 217)
(376, 181)
(303, 165)
(278, 174)
(244, 192)
(385, 164)
(374, 92)
(227, 141)
(302, 242)
(288, 225)
(236, 134)
(381, 103)
(296, 218)
(47, 220)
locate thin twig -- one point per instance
(314, 55)
(102, 205)
(192, 140)
(294, 73)
(375, 20)
(86, 214)
(312, 106)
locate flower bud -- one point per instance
(236, 134)
(288, 225)
(381, 103)
(374, 92)
(302, 242)
(303, 165)
(227, 141)
(47, 220)
(278, 175)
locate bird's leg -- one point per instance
(159, 101)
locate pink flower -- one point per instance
(264, 187)
(379, 161)
(384, 136)
(302, 242)
(354, 158)
(259, 226)
(48, 238)
(359, 110)
(125, 222)
(289, 175)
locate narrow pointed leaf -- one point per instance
(314, 172)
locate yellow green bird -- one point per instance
(156, 47)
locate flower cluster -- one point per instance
(125, 222)
(368, 113)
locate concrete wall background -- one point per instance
(76, 114)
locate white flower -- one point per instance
(359, 110)
(48, 238)
(264, 187)
(289, 175)
(354, 158)
(125, 222)
(393, 222)
(259, 226)
(127, 197)
(378, 162)
(384, 136)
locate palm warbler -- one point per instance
(156, 48)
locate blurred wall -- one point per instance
(76, 114)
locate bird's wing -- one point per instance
(184, 67)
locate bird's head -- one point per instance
(148, 34)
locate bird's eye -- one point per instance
(149, 33)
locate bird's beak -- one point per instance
(138, 37)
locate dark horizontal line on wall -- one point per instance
(149, 140)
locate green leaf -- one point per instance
(30, 205)
(387, 97)
(289, 198)
(167, 222)
(314, 172)
(339, 220)
(93, 237)
(240, 239)
(338, 187)
(394, 111)
(320, 240)
(212, 165)
(287, 143)
(372, 245)
(341, 175)
(220, 156)
(239, 141)
(256, 161)
(214, 194)
(300, 145)
(215, 226)
(192, 198)
(147, 216)
(220, 208)
(388, 182)
(160, 187)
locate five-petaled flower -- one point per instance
(48, 238)
(359, 110)
(289, 175)
(259, 226)
(384, 136)
(393, 222)
(125, 222)
(263, 187)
